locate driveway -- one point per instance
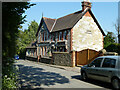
(36, 75)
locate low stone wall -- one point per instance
(45, 60)
(62, 58)
(42, 59)
(31, 58)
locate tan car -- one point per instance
(104, 68)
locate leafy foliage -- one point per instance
(26, 37)
(114, 48)
(110, 45)
(109, 39)
(11, 20)
(10, 75)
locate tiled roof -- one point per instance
(49, 22)
(66, 22)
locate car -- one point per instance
(103, 68)
(16, 57)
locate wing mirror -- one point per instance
(89, 65)
(93, 66)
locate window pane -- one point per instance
(64, 35)
(60, 35)
(96, 62)
(110, 63)
(106, 62)
(53, 36)
(113, 62)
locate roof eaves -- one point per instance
(46, 23)
(81, 16)
(39, 27)
(97, 23)
(61, 30)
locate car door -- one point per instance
(93, 68)
(108, 67)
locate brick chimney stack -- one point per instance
(85, 4)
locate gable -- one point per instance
(47, 22)
(90, 14)
(43, 27)
(87, 35)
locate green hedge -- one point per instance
(113, 48)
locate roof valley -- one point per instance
(53, 25)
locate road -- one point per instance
(36, 75)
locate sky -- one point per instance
(105, 12)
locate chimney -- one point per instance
(85, 4)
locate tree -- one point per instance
(11, 20)
(109, 39)
(32, 29)
(117, 27)
(26, 37)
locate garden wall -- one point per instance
(62, 58)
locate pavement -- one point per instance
(36, 75)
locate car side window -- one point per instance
(96, 62)
(109, 63)
(113, 62)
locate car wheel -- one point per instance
(84, 76)
(116, 83)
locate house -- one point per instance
(31, 51)
(73, 33)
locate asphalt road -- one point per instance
(36, 75)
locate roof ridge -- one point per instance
(49, 18)
(69, 14)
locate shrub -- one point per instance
(9, 76)
(113, 48)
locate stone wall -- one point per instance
(68, 42)
(87, 35)
(62, 58)
(45, 60)
(31, 58)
